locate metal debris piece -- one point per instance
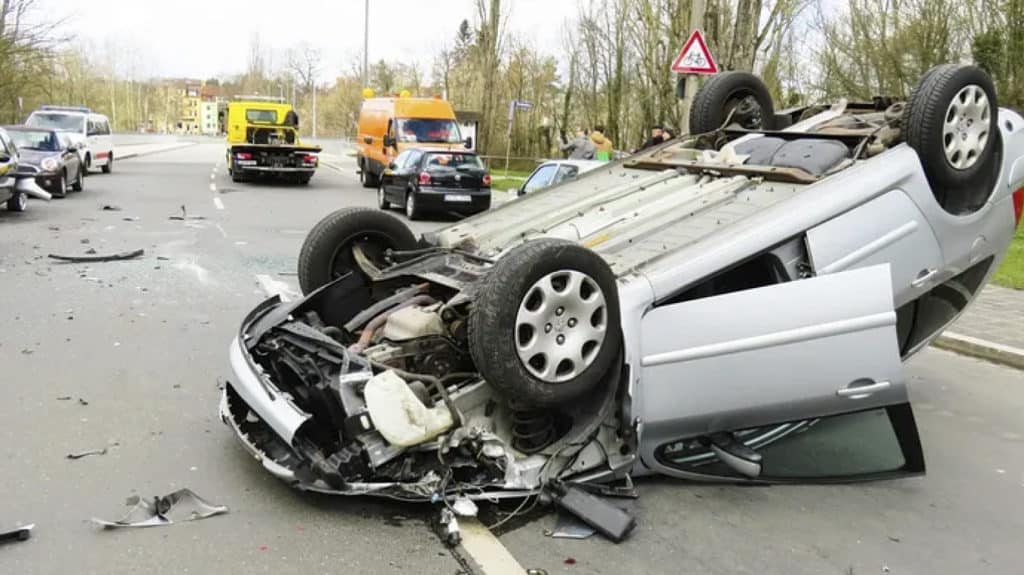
(464, 507)
(184, 216)
(181, 505)
(100, 258)
(111, 208)
(449, 528)
(569, 527)
(87, 453)
(19, 534)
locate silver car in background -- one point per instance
(735, 305)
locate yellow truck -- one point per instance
(263, 141)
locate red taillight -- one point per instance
(243, 156)
(424, 179)
(1018, 205)
(309, 158)
(487, 180)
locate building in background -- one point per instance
(209, 109)
(188, 123)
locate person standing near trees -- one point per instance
(604, 146)
(580, 147)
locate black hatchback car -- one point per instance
(441, 181)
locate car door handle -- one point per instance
(923, 277)
(863, 388)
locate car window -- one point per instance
(256, 116)
(104, 127)
(71, 122)
(413, 159)
(854, 444)
(540, 178)
(44, 140)
(565, 172)
(428, 130)
(447, 161)
(8, 146)
(400, 160)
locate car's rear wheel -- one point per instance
(951, 122)
(17, 203)
(109, 166)
(382, 200)
(328, 252)
(545, 329)
(739, 98)
(412, 209)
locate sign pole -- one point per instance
(508, 143)
(696, 23)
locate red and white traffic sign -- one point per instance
(695, 58)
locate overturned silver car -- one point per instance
(734, 305)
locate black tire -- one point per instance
(382, 202)
(718, 97)
(327, 252)
(88, 163)
(62, 186)
(412, 209)
(109, 166)
(368, 178)
(17, 203)
(493, 330)
(959, 190)
(79, 184)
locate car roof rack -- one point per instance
(52, 108)
(256, 98)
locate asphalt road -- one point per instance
(144, 343)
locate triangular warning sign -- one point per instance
(695, 58)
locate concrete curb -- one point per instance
(981, 349)
(129, 155)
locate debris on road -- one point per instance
(569, 527)
(609, 520)
(449, 528)
(64, 398)
(110, 208)
(82, 454)
(99, 258)
(19, 534)
(131, 219)
(184, 215)
(181, 505)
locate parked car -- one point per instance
(554, 172)
(734, 306)
(52, 156)
(423, 180)
(17, 182)
(89, 129)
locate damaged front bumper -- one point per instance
(473, 454)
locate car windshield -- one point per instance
(437, 162)
(71, 122)
(35, 140)
(429, 131)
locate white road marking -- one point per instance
(492, 557)
(213, 174)
(218, 203)
(223, 233)
(272, 287)
(213, 187)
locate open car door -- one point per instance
(799, 381)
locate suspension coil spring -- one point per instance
(532, 430)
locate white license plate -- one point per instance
(458, 198)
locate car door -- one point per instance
(741, 386)
(70, 156)
(8, 161)
(389, 177)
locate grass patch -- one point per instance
(503, 184)
(1011, 273)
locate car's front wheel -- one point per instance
(328, 252)
(17, 203)
(545, 329)
(382, 200)
(79, 183)
(109, 166)
(62, 186)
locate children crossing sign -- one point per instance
(695, 58)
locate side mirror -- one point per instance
(389, 142)
(519, 192)
(367, 139)
(4, 158)
(469, 143)
(392, 165)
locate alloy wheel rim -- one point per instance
(965, 130)
(560, 326)
(410, 204)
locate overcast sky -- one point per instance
(209, 38)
